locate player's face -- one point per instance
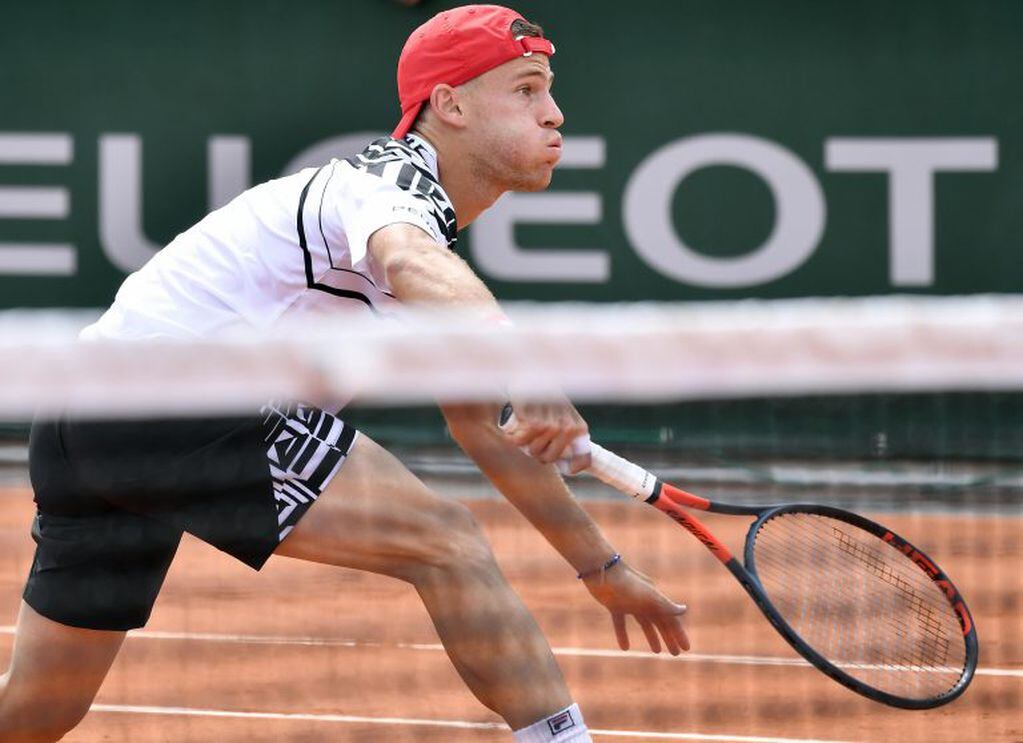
(514, 124)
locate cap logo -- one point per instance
(525, 36)
(518, 28)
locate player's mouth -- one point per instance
(554, 148)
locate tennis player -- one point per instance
(357, 235)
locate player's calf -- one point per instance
(490, 636)
(375, 515)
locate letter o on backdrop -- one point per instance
(800, 210)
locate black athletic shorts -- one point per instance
(113, 499)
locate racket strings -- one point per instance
(819, 623)
(920, 604)
(861, 604)
(852, 606)
(846, 605)
(927, 613)
(845, 614)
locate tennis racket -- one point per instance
(852, 597)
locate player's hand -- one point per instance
(625, 591)
(550, 431)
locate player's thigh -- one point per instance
(55, 669)
(376, 515)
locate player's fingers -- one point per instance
(569, 426)
(669, 635)
(671, 622)
(568, 421)
(541, 443)
(524, 435)
(553, 450)
(682, 638)
(559, 443)
(651, 634)
(618, 620)
(674, 625)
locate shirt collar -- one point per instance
(424, 148)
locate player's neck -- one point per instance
(470, 194)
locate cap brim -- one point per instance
(406, 121)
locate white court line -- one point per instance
(462, 724)
(568, 652)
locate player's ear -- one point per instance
(446, 103)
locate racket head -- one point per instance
(917, 645)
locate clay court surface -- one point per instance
(310, 653)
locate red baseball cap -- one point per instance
(455, 46)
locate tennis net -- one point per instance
(906, 409)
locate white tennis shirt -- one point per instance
(286, 247)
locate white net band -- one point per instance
(725, 350)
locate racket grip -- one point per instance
(580, 445)
(620, 473)
(606, 466)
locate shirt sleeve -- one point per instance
(371, 203)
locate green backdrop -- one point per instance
(714, 150)
(811, 88)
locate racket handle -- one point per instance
(606, 466)
(580, 445)
(620, 473)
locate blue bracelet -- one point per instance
(612, 561)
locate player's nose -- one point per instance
(553, 118)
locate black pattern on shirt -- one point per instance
(404, 163)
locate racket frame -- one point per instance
(671, 501)
(916, 556)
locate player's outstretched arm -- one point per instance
(539, 493)
(421, 271)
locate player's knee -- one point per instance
(39, 726)
(35, 720)
(465, 544)
(458, 542)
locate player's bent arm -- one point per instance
(535, 489)
(420, 270)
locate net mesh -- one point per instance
(862, 605)
(907, 410)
